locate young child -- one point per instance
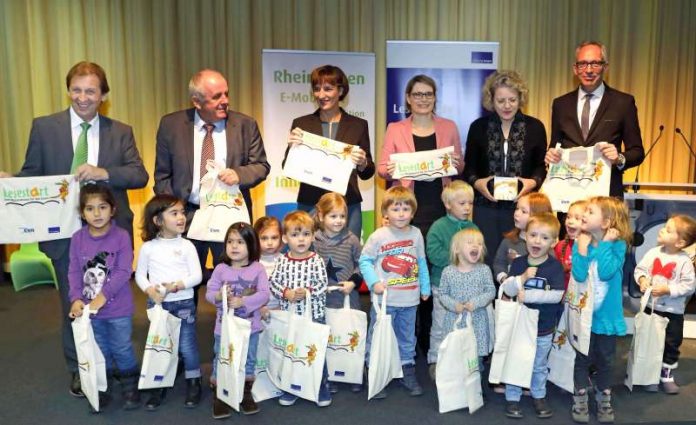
(513, 244)
(394, 257)
(301, 273)
(458, 198)
(340, 250)
(467, 285)
(598, 254)
(248, 291)
(537, 280)
(564, 249)
(101, 263)
(268, 230)
(168, 271)
(668, 273)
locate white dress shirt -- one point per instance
(220, 147)
(92, 136)
(594, 102)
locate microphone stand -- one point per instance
(636, 186)
(688, 145)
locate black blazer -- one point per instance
(616, 121)
(351, 130)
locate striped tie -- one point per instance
(208, 150)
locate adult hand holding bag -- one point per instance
(645, 357)
(161, 355)
(345, 354)
(385, 362)
(515, 343)
(457, 373)
(220, 206)
(234, 344)
(304, 356)
(90, 360)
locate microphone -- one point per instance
(636, 186)
(688, 145)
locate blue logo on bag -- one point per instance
(54, 229)
(296, 387)
(481, 57)
(159, 378)
(339, 373)
(326, 180)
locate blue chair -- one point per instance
(29, 266)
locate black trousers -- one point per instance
(674, 336)
(601, 355)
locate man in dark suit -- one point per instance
(234, 140)
(597, 113)
(112, 158)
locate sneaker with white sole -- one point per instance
(287, 399)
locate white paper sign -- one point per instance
(37, 209)
(424, 165)
(580, 174)
(321, 162)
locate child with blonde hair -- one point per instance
(564, 249)
(668, 273)
(394, 258)
(458, 198)
(466, 285)
(598, 255)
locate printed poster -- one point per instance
(36, 209)
(424, 165)
(581, 173)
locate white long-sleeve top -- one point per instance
(169, 260)
(676, 270)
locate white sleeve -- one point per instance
(195, 274)
(540, 296)
(141, 268)
(511, 285)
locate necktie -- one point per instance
(585, 117)
(80, 154)
(207, 150)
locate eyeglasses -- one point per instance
(421, 95)
(581, 66)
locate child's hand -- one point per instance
(173, 287)
(76, 309)
(520, 294)
(378, 288)
(300, 294)
(659, 290)
(425, 297)
(155, 294)
(265, 313)
(347, 286)
(459, 308)
(469, 306)
(529, 273)
(644, 283)
(611, 235)
(98, 302)
(235, 302)
(583, 240)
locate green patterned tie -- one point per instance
(80, 155)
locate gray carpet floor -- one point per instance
(35, 384)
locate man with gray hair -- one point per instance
(188, 139)
(595, 113)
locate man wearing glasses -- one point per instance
(597, 113)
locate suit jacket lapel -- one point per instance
(572, 110)
(104, 140)
(188, 142)
(65, 147)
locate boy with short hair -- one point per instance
(297, 273)
(537, 279)
(394, 257)
(458, 198)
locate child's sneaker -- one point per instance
(324, 398)
(605, 413)
(581, 410)
(409, 381)
(513, 410)
(287, 399)
(542, 409)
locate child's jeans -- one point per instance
(539, 373)
(188, 342)
(114, 339)
(250, 367)
(404, 323)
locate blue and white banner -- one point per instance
(458, 68)
(287, 95)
